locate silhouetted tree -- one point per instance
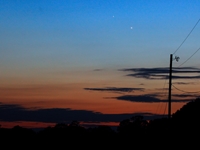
(134, 125)
(132, 130)
(61, 126)
(74, 124)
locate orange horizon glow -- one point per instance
(72, 95)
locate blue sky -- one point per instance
(83, 44)
(63, 32)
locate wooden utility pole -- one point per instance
(170, 85)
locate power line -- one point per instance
(164, 94)
(169, 107)
(165, 108)
(182, 63)
(190, 57)
(184, 91)
(186, 37)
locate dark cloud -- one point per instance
(115, 89)
(184, 95)
(146, 99)
(163, 73)
(162, 89)
(183, 83)
(185, 77)
(152, 95)
(97, 69)
(58, 115)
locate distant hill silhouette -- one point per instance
(189, 111)
(185, 124)
(188, 117)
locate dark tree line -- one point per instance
(183, 129)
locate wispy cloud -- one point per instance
(161, 89)
(184, 95)
(183, 83)
(115, 89)
(162, 73)
(145, 99)
(97, 69)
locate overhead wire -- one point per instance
(184, 91)
(189, 57)
(165, 104)
(182, 63)
(184, 42)
(186, 37)
(165, 108)
(158, 106)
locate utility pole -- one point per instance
(170, 85)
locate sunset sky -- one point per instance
(95, 61)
